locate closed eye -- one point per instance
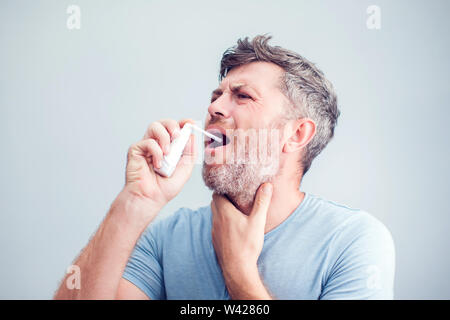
(243, 96)
(239, 95)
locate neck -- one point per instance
(286, 197)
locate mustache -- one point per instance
(220, 121)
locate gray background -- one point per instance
(72, 101)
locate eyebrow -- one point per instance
(217, 92)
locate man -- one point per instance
(261, 237)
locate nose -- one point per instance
(220, 108)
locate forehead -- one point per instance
(258, 75)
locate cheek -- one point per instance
(265, 116)
(257, 115)
(250, 116)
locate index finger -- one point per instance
(186, 120)
(172, 126)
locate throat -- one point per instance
(242, 204)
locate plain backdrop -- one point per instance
(73, 101)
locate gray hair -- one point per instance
(310, 94)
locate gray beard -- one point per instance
(239, 181)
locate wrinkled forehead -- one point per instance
(263, 77)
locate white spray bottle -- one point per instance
(177, 146)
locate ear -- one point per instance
(300, 132)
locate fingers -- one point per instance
(190, 150)
(219, 201)
(165, 131)
(189, 154)
(147, 148)
(187, 161)
(262, 203)
(184, 121)
(159, 133)
(172, 127)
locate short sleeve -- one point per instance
(144, 268)
(364, 264)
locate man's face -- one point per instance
(248, 99)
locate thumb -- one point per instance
(261, 204)
(187, 161)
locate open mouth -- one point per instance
(211, 143)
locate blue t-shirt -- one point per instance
(323, 250)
